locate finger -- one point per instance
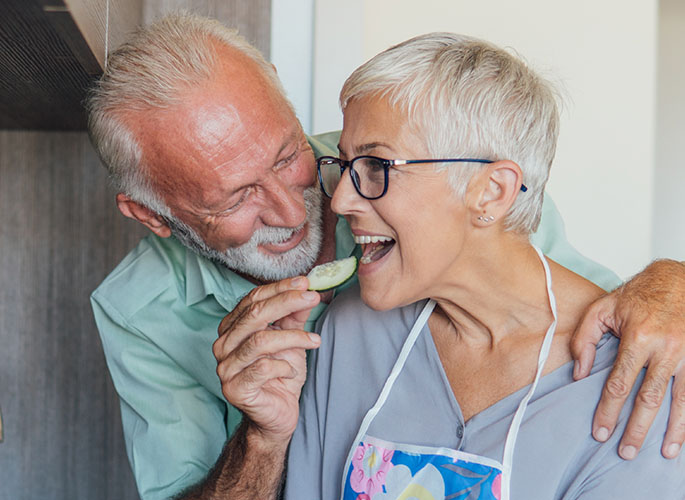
(587, 334)
(647, 404)
(242, 389)
(260, 293)
(260, 314)
(675, 434)
(616, 389)
(266, 343)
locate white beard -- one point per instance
(248, 259)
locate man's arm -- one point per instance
(248, 468)
(648, 314)
(173, 426)
(261, 363)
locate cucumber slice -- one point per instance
(332, 274)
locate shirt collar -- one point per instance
(204, 278)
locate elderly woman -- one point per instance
(447, 373)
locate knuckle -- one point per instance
(252, 346)
(253, 295)
(259, 370)
(659, 376)
(650, 398)
(674, 343)
(258, 341)
(225, 322)
(617, 388)
(641, 338)
(255, 310)
(216, 348)
(221, 370)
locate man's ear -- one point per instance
(148, 218)
(497, 191)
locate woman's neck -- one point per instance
(501, 291)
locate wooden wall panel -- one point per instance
(251, 17)
(42, 83)
(60, 234)
(91, 18)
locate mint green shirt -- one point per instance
(158, 314)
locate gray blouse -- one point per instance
(555, 456)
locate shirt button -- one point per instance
(460, 430)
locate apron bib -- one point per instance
(383, 470)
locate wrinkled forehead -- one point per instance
(215, 132)
(374, 120)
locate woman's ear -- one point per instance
(496, 191)
(134, 210)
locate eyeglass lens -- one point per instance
(330, 175)
(368, 176)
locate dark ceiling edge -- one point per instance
(58, 14)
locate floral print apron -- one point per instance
(382, 470)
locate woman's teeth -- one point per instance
(362, 240)
(373, 247)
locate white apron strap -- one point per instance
(394, 373)
(510, 443)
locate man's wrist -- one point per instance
(260, 442)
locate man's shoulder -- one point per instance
(325, 144)
(154, 266)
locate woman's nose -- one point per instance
(346, 199)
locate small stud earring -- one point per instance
(488, 218)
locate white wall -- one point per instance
(603, 54)
(668, 236)
(292, 49)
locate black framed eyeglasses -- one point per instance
(370, 173)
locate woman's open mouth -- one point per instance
(373, 247)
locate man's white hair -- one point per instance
(469, 98)
(150, 71)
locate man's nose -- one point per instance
(285, 205)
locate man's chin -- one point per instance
(276, 250)
(266, 267)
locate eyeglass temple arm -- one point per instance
(524, 188)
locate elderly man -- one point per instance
(207, 153)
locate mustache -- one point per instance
(279, 234)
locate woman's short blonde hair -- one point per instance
(469, 98)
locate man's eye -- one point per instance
(288, 160)
(243, 196)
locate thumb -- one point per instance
(587, 334)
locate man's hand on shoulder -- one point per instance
(648, 315)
